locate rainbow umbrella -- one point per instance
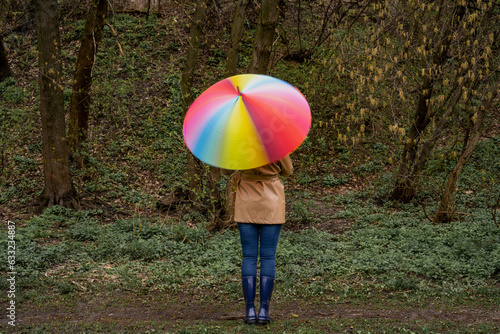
(246, 121)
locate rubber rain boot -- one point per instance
(248, 283)
(266, 291)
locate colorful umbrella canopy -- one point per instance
(246, 121)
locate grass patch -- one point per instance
(398, 250)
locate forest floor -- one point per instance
(147, 312)
(100, 306)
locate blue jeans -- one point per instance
(249, 235)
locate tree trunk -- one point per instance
(406, 180)
(237, 29)
(4, 63)
(192, 55)
(264, 37)
(413, 161)
(194, 167)
(446, 208)
(59, 189)
(236, 33)
(80, 99)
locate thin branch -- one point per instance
(116, 38)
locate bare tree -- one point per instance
(5, 70)
(236, 33)
(264, 36)
(80, 101)
(195, 169)
(447, 204)
(310, 37)
(59, 189)
(227, 212)
(441, 31)
(16, 16)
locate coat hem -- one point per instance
(261, 222)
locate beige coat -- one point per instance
(260, 194)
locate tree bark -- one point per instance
(59, 189)
(5, 70)
(405, 187)
(82, 82)
(195, 170)
(192, 55)
(446, 208)
(236, 33)
(264, 36)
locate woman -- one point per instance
(259, 210)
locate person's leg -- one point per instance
(269, 237)
(249, 235)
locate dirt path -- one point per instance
(127, 312)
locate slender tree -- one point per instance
(310, 37)
(195, 170)
(410, 167)
(236, 34)
(15, 17)
(230, 70)
(438, 59)
(192, 54)
(5, 70)
(447, 204)
(441, 31)
(264, 36)
(59, 189)
(80, 101)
